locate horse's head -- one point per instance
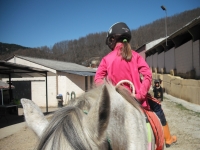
(109, 113)
(71, 128)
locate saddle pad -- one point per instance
(157, 128)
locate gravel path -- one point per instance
(185, 124)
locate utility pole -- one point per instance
(163, 8)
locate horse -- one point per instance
(106, 117)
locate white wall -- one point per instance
(196, 57)
(149, 61)
(183, 55)
(161, 60)
(143, 54)
(155, 58)
(70, 83)
(169, 60)
(38, 92)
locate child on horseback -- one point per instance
(122, 63)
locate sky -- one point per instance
(36, 23)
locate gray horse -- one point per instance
(100, 119)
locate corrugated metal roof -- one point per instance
(81, 73)
(153, 43)
(177, 32)
(185, 27)
(58, 65)
(18, 71)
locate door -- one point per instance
(22, 90)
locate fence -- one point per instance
(186, 89)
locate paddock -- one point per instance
(183, 122)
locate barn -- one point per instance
(68, 79)
(176, 60)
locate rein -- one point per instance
(132, 87)
(129, 82)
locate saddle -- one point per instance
(151, 118)
(156, 127)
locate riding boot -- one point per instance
(168, 138)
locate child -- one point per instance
(157, 90)
(122, 63)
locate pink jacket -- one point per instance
(116, 69)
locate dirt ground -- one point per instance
(185, 124)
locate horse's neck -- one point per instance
(127, 126)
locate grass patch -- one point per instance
(181, 107)
(17, 102)
(164, 97)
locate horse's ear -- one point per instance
(98, 117)
(34, 117)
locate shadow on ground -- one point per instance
(11, 119)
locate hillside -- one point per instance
(10, 48)
(93, 45)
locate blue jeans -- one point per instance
(158, 110)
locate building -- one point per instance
(69, 79)
(142, 49)
(176, 60)
(180, 55)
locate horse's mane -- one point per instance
(63, 127)
(67, 124)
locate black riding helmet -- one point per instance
(117, 33)
(156, 81)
